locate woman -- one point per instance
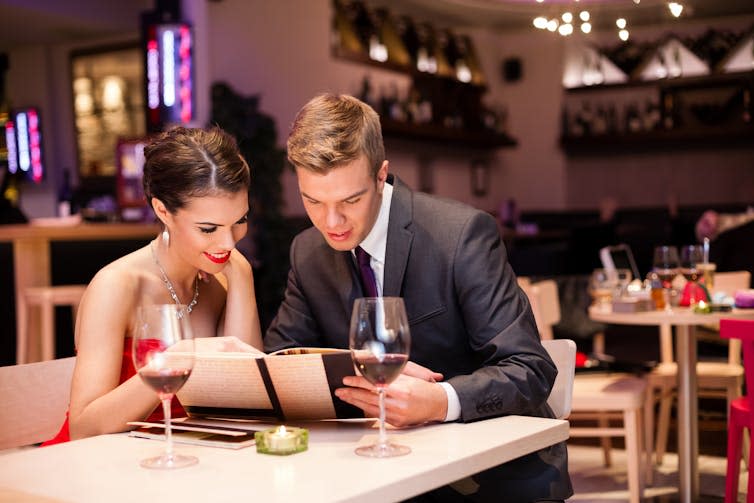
(197, 184)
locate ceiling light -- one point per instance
(675, 8)
(586, 27)
(565, 29)
(623, 35)
(584, 15)
(540, 22)
(567, 17)
(620, 23)
(552, 24)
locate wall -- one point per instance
(281, 51)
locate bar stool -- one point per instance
(46, 298)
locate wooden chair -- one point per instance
(715, 379)
(601, 397)
(563, 354)
(45, 298)
(34, 400)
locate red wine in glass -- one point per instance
(165, 382)
(666, 276)
(379, 339)
(163, 355)
(380, 371)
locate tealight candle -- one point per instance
(702, 307)
(282, 440)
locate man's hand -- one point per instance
(415, 370)
(408, 400)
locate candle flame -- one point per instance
(281, 430)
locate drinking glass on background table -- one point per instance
(623, 278)
(602, 284)
(380, 340)
(691, 257)
(163, 354)
(666, 264)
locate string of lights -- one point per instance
(565, 22)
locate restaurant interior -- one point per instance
(578, 124)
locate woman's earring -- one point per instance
(166, 237)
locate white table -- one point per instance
(106, 468)
(684, 319)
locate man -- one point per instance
(469, 320)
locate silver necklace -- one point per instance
(169, 285)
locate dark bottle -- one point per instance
(668, 111)
(65, 195)
(746, 116)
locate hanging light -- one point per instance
(567, 17)
(586, 27)
(552, 24)
(584, 16)
(675, 8)
(623, 35)
(565, 29)
(620, 23)
(540, 22)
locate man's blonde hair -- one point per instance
(332, 130)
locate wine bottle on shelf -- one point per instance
(668, 111)
(746, 116)
(65, 195)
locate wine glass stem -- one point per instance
(168, 432)
(383, 435)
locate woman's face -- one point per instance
(207, 228)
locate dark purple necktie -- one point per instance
(366, 273)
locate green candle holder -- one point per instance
(282, 440)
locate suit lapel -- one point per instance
(399, 239)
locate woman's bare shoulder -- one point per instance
(123, 280)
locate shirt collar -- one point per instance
(376, 241)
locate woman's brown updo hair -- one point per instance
(185, 162)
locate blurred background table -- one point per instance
(31, 252)
(684, 320)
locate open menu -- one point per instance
(226, 438)
(296, 383)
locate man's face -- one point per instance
(343, 204)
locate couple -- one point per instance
(470, 322)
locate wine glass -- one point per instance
(692, 269)
(601, 287)
(623, 278)
(163, 354)
(379, 339)
(665, 263)
(691, 257)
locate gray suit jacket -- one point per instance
(469, 320)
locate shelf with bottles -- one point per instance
(375, 36)
(671, 60)
(444, 100)
(432, 110)
(706, 111)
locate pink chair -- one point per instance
(741, 411)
